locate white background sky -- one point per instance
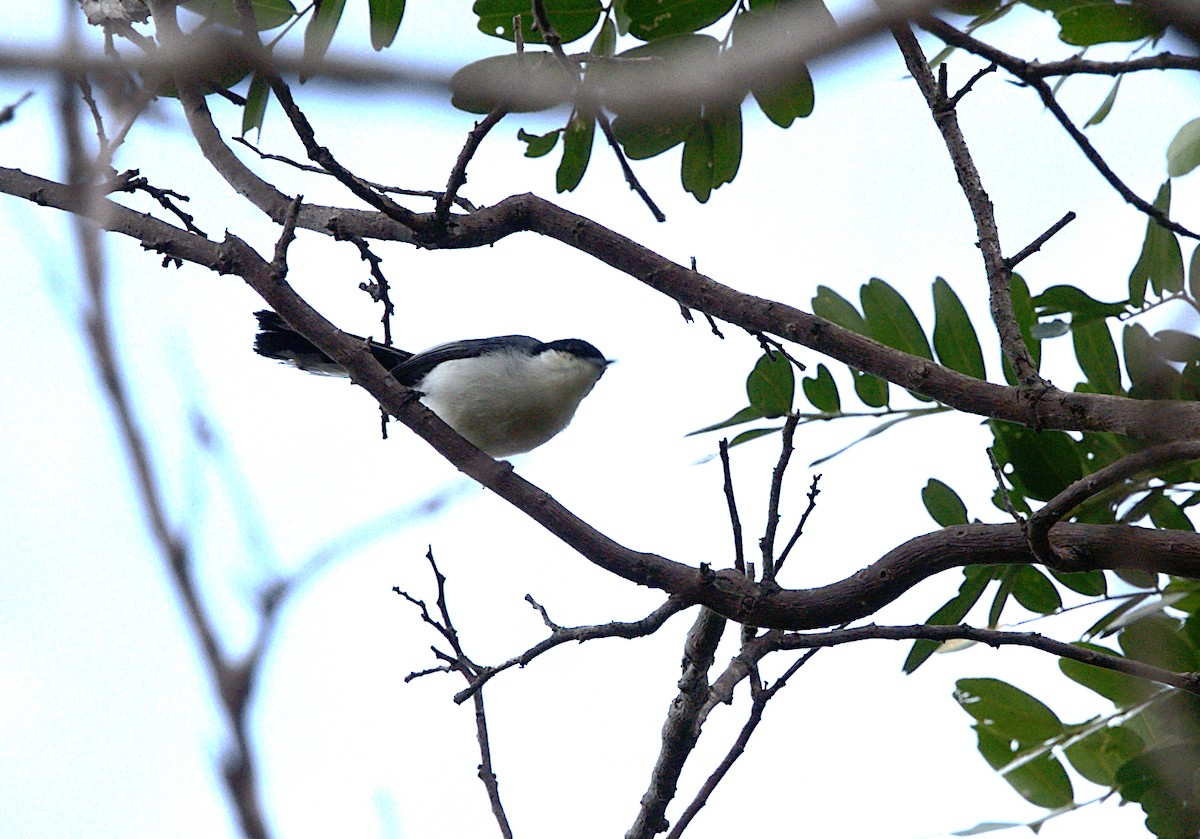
(107, 727)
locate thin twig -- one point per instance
(395, 190)
(586, 106)
(757, 707)
(735, 522)
(458, 174)
(813, 492)
(1004, 496)
(1036, 245)
(460, 663)
(1021, 70)
(767, 543)
(562, 635)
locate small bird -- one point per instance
(507, 395)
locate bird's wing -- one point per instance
(413, 370)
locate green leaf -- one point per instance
(1086, 23)
(571, 19)
(833, 307)
(771, 385)
(1183, 154)
(752, 434)
(975, 580)
(1163, 781)
(577, 151)
(1035, 592)
(943, 504)
(642, 139)
(1097, 356)
(1041, 781)
(1194, 274)
(745, 415)
(653, 19)
(726, 124)
(954, 337)
(1099, 755)
(385, 22)
(696, 170)
(606, 39)
(1007, 711)
(712, 152)
(1161, 261)
(1122, 690)
(1090, 583)
(268, 14)
(534, 81)
(872, 390)
(1064, 299)
(1044, 462)
(538, 145)
(784, 101)
(1106, 106)
(890, 320)
(255, 108)
(788, 94)
(1167, 515)
(1150, 376)
(1157, 640)
(319, 33)
(1178, 346)
(821, 390)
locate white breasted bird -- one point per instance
(507, 395)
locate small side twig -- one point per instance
(460, 663)
(1036, 245)
(9, 112)
(813, 492)
(735, 522)
(561, 635)
(458, 174)
(1008, 505)
(767, 543)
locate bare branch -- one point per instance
(682, 727)
(999, 276)
(1036, 245)
(767, 543)
(735, 522)
(458, 175)
(1018, 68)
(562, 635)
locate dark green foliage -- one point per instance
(571, 19)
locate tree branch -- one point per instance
(999, 276)
(1019, 68)
(682, 728)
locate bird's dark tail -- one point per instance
(277, 340)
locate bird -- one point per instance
(506, 395)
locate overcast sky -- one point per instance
(107, 727)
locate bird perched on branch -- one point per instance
(506, 395)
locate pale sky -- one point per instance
(107, 728)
